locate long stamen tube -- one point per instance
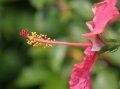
(38, 40)
(63, 43)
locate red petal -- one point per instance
(104, 12)
(80, 77)
(90, 25)
(96, 6)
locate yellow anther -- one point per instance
(32, 40)
(43, 35)
(31, 37)
(50, 45)
(48, 38)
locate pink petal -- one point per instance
(90, 25)
(80, 77)
(96, 42)
(96, 6)
(111, 2)
(103, 13)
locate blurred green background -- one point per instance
(26, 67)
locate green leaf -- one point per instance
(7, 1)
(31, 76)
(113, 57)
(55, 81)
(10, 64)
(75, 33)
(82, 7)
(39, 4)
(57, 57)
(106, 79)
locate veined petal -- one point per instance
(111, 2)
(80, 77)
(90, 25)
(96, 6)
(104, 12)
(96, 42)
